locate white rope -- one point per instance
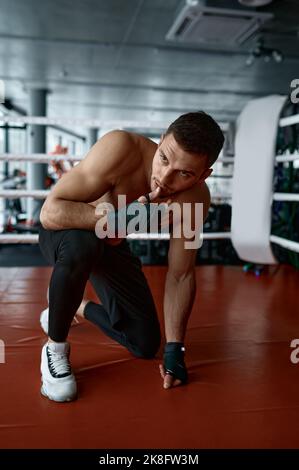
(289, 121)
(39, 157)
(165, 236)
(220, 197)
(31, 238)
(16, 238)
(42, 194)
(17, 193)
(287, 158)
(47, 158)
(88, 123)
(285, 197)
(217, 235)
(148, 236)
(225, 160)
(289, 244)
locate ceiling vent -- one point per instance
(200, 24)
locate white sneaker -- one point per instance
(58, 381)
(44, 320)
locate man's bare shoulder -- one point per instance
(118, 142)
(118, 136)
(115, 151)
(127, 140)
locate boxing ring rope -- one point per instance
(43, 193)
(39, 157)
(90, 123)
(285, 243)
(48, 158)
(289, 120)
(287, 158)
(286, 197)
(17, 193)
(32, 238)
(87, 123)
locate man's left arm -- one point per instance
(180, 289)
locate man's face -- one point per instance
(176, 170)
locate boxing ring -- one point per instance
(241, 392)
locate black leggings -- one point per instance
(127, 313)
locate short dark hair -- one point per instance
(198, 133)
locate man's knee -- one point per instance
(147, 343)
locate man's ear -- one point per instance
(205, 174)
(210, 171)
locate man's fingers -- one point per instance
(169, 380)
(152, 196)
(142, 200)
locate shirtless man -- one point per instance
(132, 165)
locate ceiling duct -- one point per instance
(198, 23)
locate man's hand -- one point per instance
(168, 380)
(173, 371)
(103, 209)
(154, 196)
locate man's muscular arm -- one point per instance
(180, 280)
(180, 289)
(67, 206)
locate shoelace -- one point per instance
(59, 363)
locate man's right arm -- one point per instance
(67, 206)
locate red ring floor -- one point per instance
(243, 390)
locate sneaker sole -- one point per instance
(44, 393)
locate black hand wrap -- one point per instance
(174, 361)
(149, 218)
